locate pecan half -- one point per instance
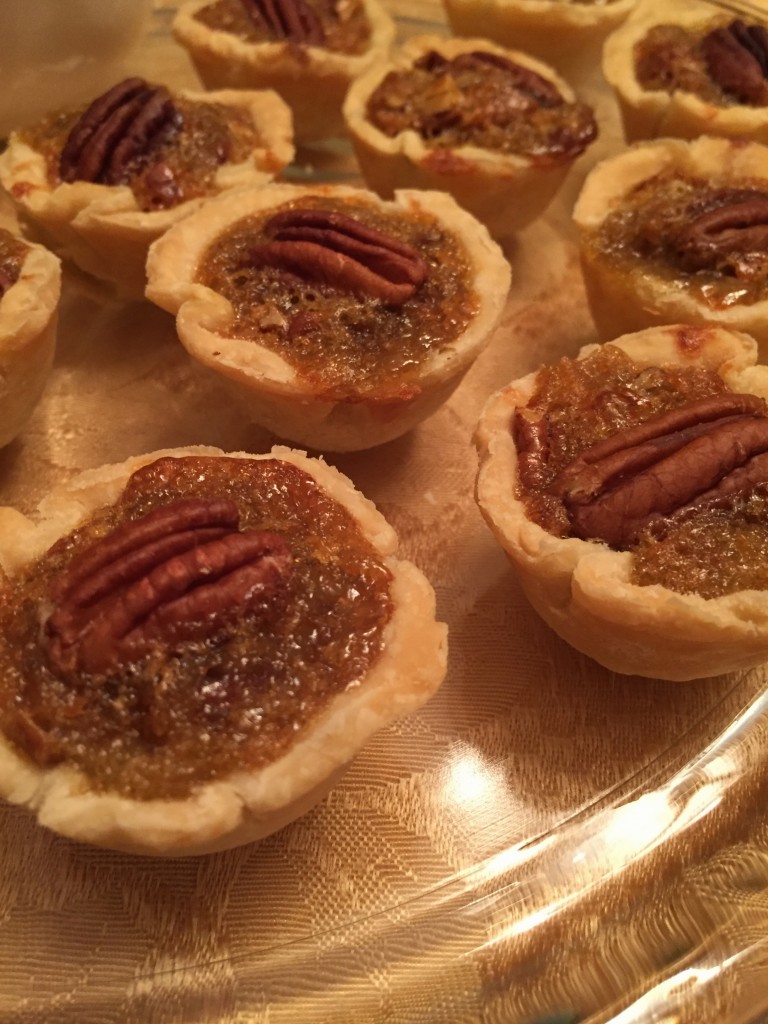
(294, 20)
(119, 127)
(737, 61)
(732, 237)
(675, 460)
(334, 249)
(180, 573)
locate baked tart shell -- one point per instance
(582, 588)
(271, 391)
(622, 302)
(28, 321)
(245, 806)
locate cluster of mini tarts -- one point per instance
(313, 80)
(583, 588)
(654, 113)
(274, 394)
(101, 228)
(504, 191)
(247, 805)
(641, 297)
(28, 320)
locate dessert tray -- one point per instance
(545, 842)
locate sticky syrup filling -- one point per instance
(177, 718)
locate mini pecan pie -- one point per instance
(630, 489)
(306, 50)
(495, 128)
(683, 69)
(567, 34)
(30, 282)
(341, 320)
(194, 645)
(102, 182)
(676, 231)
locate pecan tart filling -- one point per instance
(723, 63)
(339, 320)
(664, 461)
(193, 629)
(13, 251)
(166, 148)
(709, 236)
(481, 98)
(336, 25)
(629, 487)
(354, 298)
(495, 128)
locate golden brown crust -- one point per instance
(311, 80)
(28, 318)
(566, 35)
(504, 191)
(653, 114)
(273, 393)
(623, 303)
(100, 227)
(582, 589)
(245, 806)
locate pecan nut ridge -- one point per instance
(737, 61)
(338, 250)
(118, 128)
(672, 461)
(138, 590)
(733, 234)
(293, 20)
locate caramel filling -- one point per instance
(344, 23)
(714, 544)
(343, 343)
(724, 62)
(181, 162)
(184, 705)
(707, 236)
(481, 99)
(12, 254)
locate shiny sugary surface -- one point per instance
(188, 158)
(175, 719)
(344, 21)
(343, 345)
(12, 253)
(638, 236)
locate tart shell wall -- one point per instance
(622, 303)
(504, 191)
(271, 392)
(313, 81)
(28, 321)
(581, 588)
(101, 229)
(245, 806)
(651, 114)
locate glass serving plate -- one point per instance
(544, 843)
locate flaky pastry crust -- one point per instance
(651, 114)
(311, 79)
(581, 588)
(622, 302)
(28, 318)
(566, 35)
(272, 392)
(101, 229)
(504, 191)
(245, 806)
